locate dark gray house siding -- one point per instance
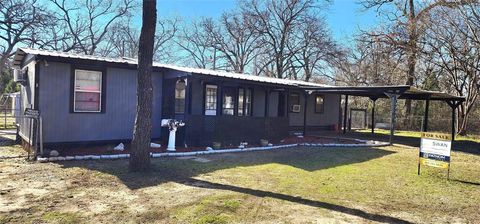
(319, 121)
(116, 123)
(201, 130)
(270, 118)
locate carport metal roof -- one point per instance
(375, 92)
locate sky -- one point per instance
(344, 17)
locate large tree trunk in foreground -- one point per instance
(140, 146)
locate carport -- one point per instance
(394, 93)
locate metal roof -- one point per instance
(407, 92)
(21, 52)
(375, 92)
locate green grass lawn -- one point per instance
(297, 185)
(417, 134)
(10, 122)
(468, 144)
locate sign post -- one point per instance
(34, 115)
(435, 150)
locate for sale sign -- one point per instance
(435, 150)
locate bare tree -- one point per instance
(18, 21)
(454, 44)
(408, 24)
(122, 40)
(195, 42)
(369, 63)
(276, 22)
(316, 50)
(140, 146)
(234, 38)
(90, 21)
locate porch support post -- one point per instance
(306, 95)
(453, 123)
(425, 116)
(188, 95)
(374, 99)
(267, 102)
(219, 98)
(345, 115)
(287, 100)
(393, 117)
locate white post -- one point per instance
(171, 140)
(172, 126)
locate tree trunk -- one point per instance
(462, 117)
(411, 52)
(4, 59)
(140, 146)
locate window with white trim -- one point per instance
(88, 91)
(319, 104)
(228, 101)
(210, 100)
(244, 102)
(180, 87)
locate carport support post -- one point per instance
(267, 102)
(425, 116)
(306, 95)
(393, 108)
(345, 115)
(453, 104)
(373, 113)
(453, 123)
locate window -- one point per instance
(241, 97)
(228, 101)
(248, 102)
(88, 91)
(244, 102)
(210, 100)
(180, 96)
(319, 104)
(294, 102)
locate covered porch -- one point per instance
(224, 109)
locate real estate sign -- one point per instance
(435, 150)
(31, 113)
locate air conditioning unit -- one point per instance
(296, 108)
(20, 75)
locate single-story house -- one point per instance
(91, 99)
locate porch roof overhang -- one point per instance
(376, 92)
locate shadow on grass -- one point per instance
(183, 172)
(467, 182)
(466, 146)
(299, 200)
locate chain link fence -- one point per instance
(415, 123)
(8, 119)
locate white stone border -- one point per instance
(195, 153)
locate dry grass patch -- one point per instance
(298, 185)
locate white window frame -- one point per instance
(87, 91)
(184, 97)
(211, 112)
